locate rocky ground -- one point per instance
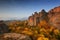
(14, 36)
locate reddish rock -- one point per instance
(54, 15)
(35, 19)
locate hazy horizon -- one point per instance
(24, 8)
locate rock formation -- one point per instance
(52, 16)
(14, 36)
(35, 19)
(3, 27)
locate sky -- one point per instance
(24, 8)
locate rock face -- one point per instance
(3, 28)
(14, 36)
(36, 18)
(52, 16)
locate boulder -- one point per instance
(3, 27)
(14, 36)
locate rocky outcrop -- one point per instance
(35, 19)
(52, 16)
(14, 36)
(54, 11)
(3, 27)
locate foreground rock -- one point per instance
(14, 36)
(3, 27)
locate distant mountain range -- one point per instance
(25, 18)
(14, 18)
